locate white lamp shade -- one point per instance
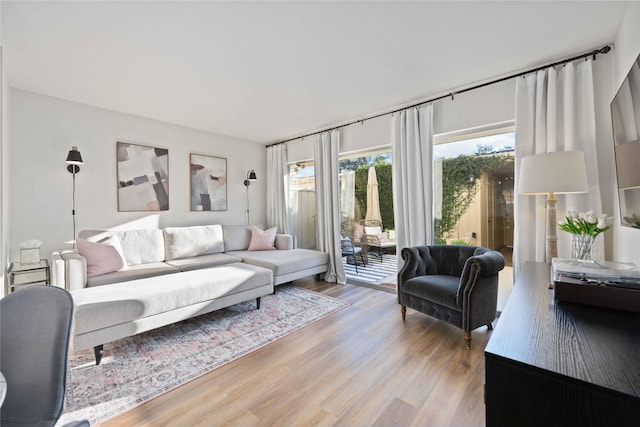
(628, 165)
(560, 172)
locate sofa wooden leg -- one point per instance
(403, 310)
(467, 340)
(98, 351)
(490, 326)
(258, 303)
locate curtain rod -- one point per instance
(603, 50)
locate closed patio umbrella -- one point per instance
(373, 198)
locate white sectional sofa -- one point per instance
(173, 274)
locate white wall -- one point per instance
(480, 107)
(627, 49)
(491, 104)
(360, 136)
(43, 129)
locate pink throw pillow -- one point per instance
(262, 240)
(101, 258)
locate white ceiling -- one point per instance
(267, 71)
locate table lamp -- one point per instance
(561, 172)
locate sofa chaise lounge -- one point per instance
(172, 274)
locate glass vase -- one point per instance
(581, 246)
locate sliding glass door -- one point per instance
(302, 204)
(474, 190)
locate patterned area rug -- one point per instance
(141, 367)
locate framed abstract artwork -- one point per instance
(143, 177)
(208, 183)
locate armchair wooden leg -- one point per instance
(490, 326)
(467, 340)
(403, 310)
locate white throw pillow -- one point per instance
(142, 246)
(373, 230)
(185, 242)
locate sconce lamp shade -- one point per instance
(251, 176)
(628, 168)
(561, 172)
(74, 159)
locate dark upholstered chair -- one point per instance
(457, 284)
(35, 324)
(350, 251)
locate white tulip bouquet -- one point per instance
(585, 223)
(585, 227)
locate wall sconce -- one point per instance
(251, 176)
(74, 160)
(561, 172)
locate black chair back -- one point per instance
(35, 325)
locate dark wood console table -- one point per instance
(560, 364)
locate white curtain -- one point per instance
(277, 182)
(412, 135)
(327, 151)
(555, 111)
(348, 194)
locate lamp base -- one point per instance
(73, 168)
(551, 244)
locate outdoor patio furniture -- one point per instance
(457, 284)
(350, 251)
(374, 238)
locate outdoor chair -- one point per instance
(457, 284)
(374, 238)
(350, 251)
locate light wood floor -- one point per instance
(359, 367)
